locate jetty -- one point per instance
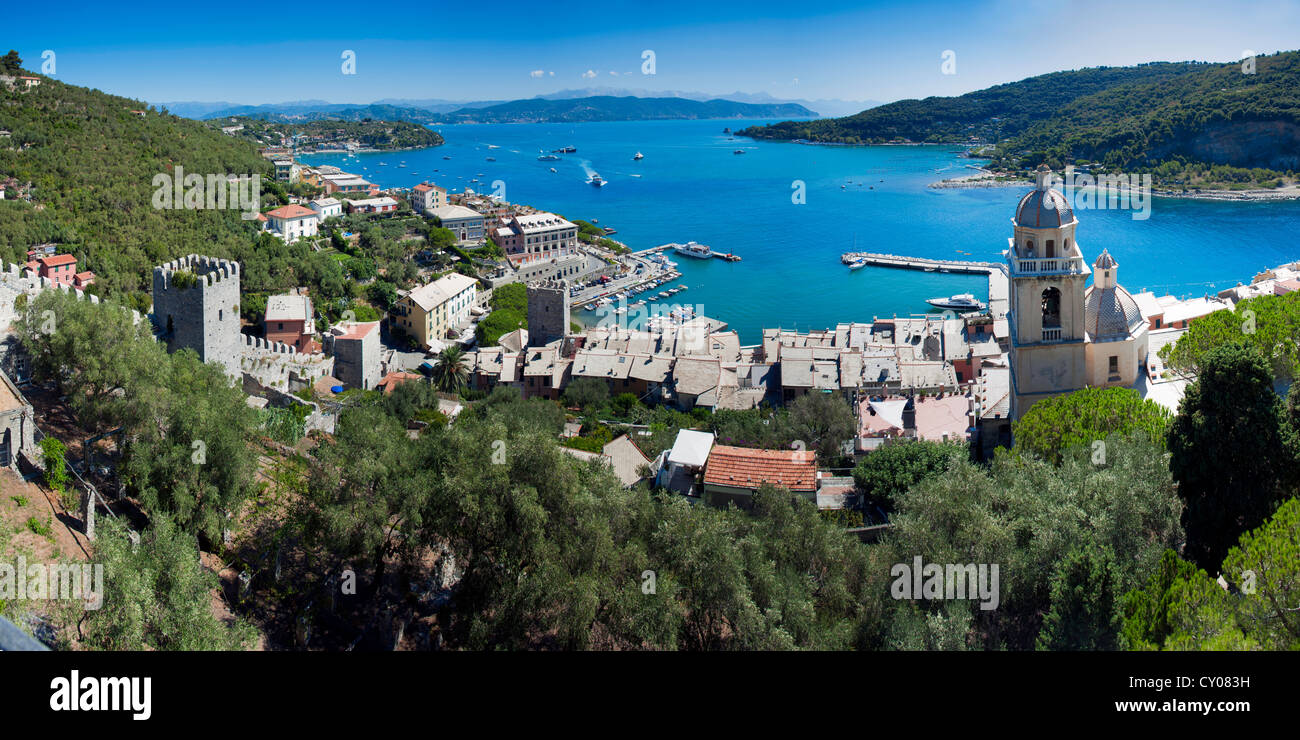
(999, 280)
(919, 263)
(725, 256)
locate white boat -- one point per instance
(597, 180)
(547, 158)
(694, 249)
(552, 169)
(638, 156)
(962, 302)
(857, 264)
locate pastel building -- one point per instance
(288, 320)
(431, 311)
(59, 268)
(356, 350)
(536, 237)
(425, 197)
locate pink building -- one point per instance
(59, 268)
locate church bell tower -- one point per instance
(1047, 274)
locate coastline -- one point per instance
(987, 179)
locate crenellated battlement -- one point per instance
(210, 270)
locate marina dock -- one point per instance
(919, 263)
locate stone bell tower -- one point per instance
(1047, 273)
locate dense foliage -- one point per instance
(1054, 425)
(1228, 454)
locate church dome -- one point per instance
(1111, 313)
(1044, 208)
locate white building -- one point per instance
(292, 223)
(327, 207)
(425, 198)
(466, 224)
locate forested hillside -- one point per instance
(91, 162)
(1189, 123)
(370, 133)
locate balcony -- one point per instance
(1047, 265)
(1052, 334)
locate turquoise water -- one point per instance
(692, 186)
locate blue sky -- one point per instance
(256, 52)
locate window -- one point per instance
(1051, 249)
(1051, 308)
(1114, 364)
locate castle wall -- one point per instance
(548, 311)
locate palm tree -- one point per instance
(449, 374)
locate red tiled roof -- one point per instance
(58, 259)
(742, 467)
(392, 380)
(423, 188)
(294, 211)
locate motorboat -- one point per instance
(961, 302)
(638, 156)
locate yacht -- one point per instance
(857, 264)
(962, 302)
(638, 156)
(694, 249)
(566, 150)
(597, 180)
(553, 169)
(547, 158)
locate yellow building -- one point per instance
(431, 311)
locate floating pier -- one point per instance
(919, 263)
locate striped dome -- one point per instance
(1110, 313)
(1044, 208)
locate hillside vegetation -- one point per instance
(1191, 124)
(370, 133)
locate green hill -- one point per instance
(326, 132)
(628, 108)
(1191, 123)
(91, 163)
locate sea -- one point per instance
(790, 210)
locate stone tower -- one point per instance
(548, 311)
(1047, 273)
(196, 305)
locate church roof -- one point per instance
(1105, 261)
(1110, 313)
(1044, 208)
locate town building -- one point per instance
(431, 311)
(287, 170)
(357, 353)
(732, 475)
(59, 268)
(326, 207)
(466, 224)
(537, 237)
(293, 222)
(373, 205)
(289, 320)
(426, 197)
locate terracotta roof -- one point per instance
(294, 211)
(392, 380)
(742, 467)
(58, 259)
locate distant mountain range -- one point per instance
(609, 108)
(423, 110)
